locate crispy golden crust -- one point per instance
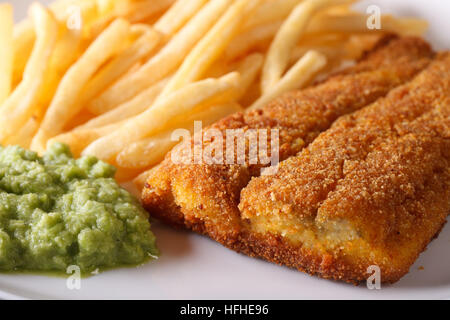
(205, 198)
(384, 171)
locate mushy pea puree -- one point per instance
(56, 211)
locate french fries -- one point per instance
(159, 115)
(144, 9)
(296, 77)
(287, 37)
(115, 78)
(135, 106)
(250, 39)
(270, 11)
(178, 15)
(78, 140)
(63, 106)
(7, 50)
(167, 60)
(120, 64)
(211, 46)
(151, 151)
(25, 134)
(19, 106)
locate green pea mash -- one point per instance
(56, 211)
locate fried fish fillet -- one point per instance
(205, 197)
(372, 190)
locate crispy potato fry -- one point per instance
(19, 106)
(24, 135)
(135, 106)
(332, 45)
(24, 35)
(65, 52)
(7, 50)
(287, 37)
(146, 152)
(357, 22)
(120, 65)
(330, 52)
(180, 12)
(78, 140)
(139, 11)
(150, 151)
(270, 11)
(250, 39)
(211, 46)
(64, 106)
(296, 77)
(160, 114)
(249, 68)
(23, 41)
(166, 61)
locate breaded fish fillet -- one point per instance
(372, 190)
(205, 197)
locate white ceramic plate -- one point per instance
(194, 267)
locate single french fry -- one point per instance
(178, 14)
(296, 77)
(160, 114)
(287, 37)
(246, 41)
(23, 41)
(270, 11)
(67, 49)
(332, 45)
(330, 52)
(249, 68)
(357, 22)
(119, 65)
(64, 106)
(78, 140)
(19, 106)
(135, 106)
(7, 50)
(24, 135)
(150, 151)
(166, 60)
(211, 46)
(142, 10)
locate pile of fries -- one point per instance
(114, 78)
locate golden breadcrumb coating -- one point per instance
(372, 190)
(205, 197)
